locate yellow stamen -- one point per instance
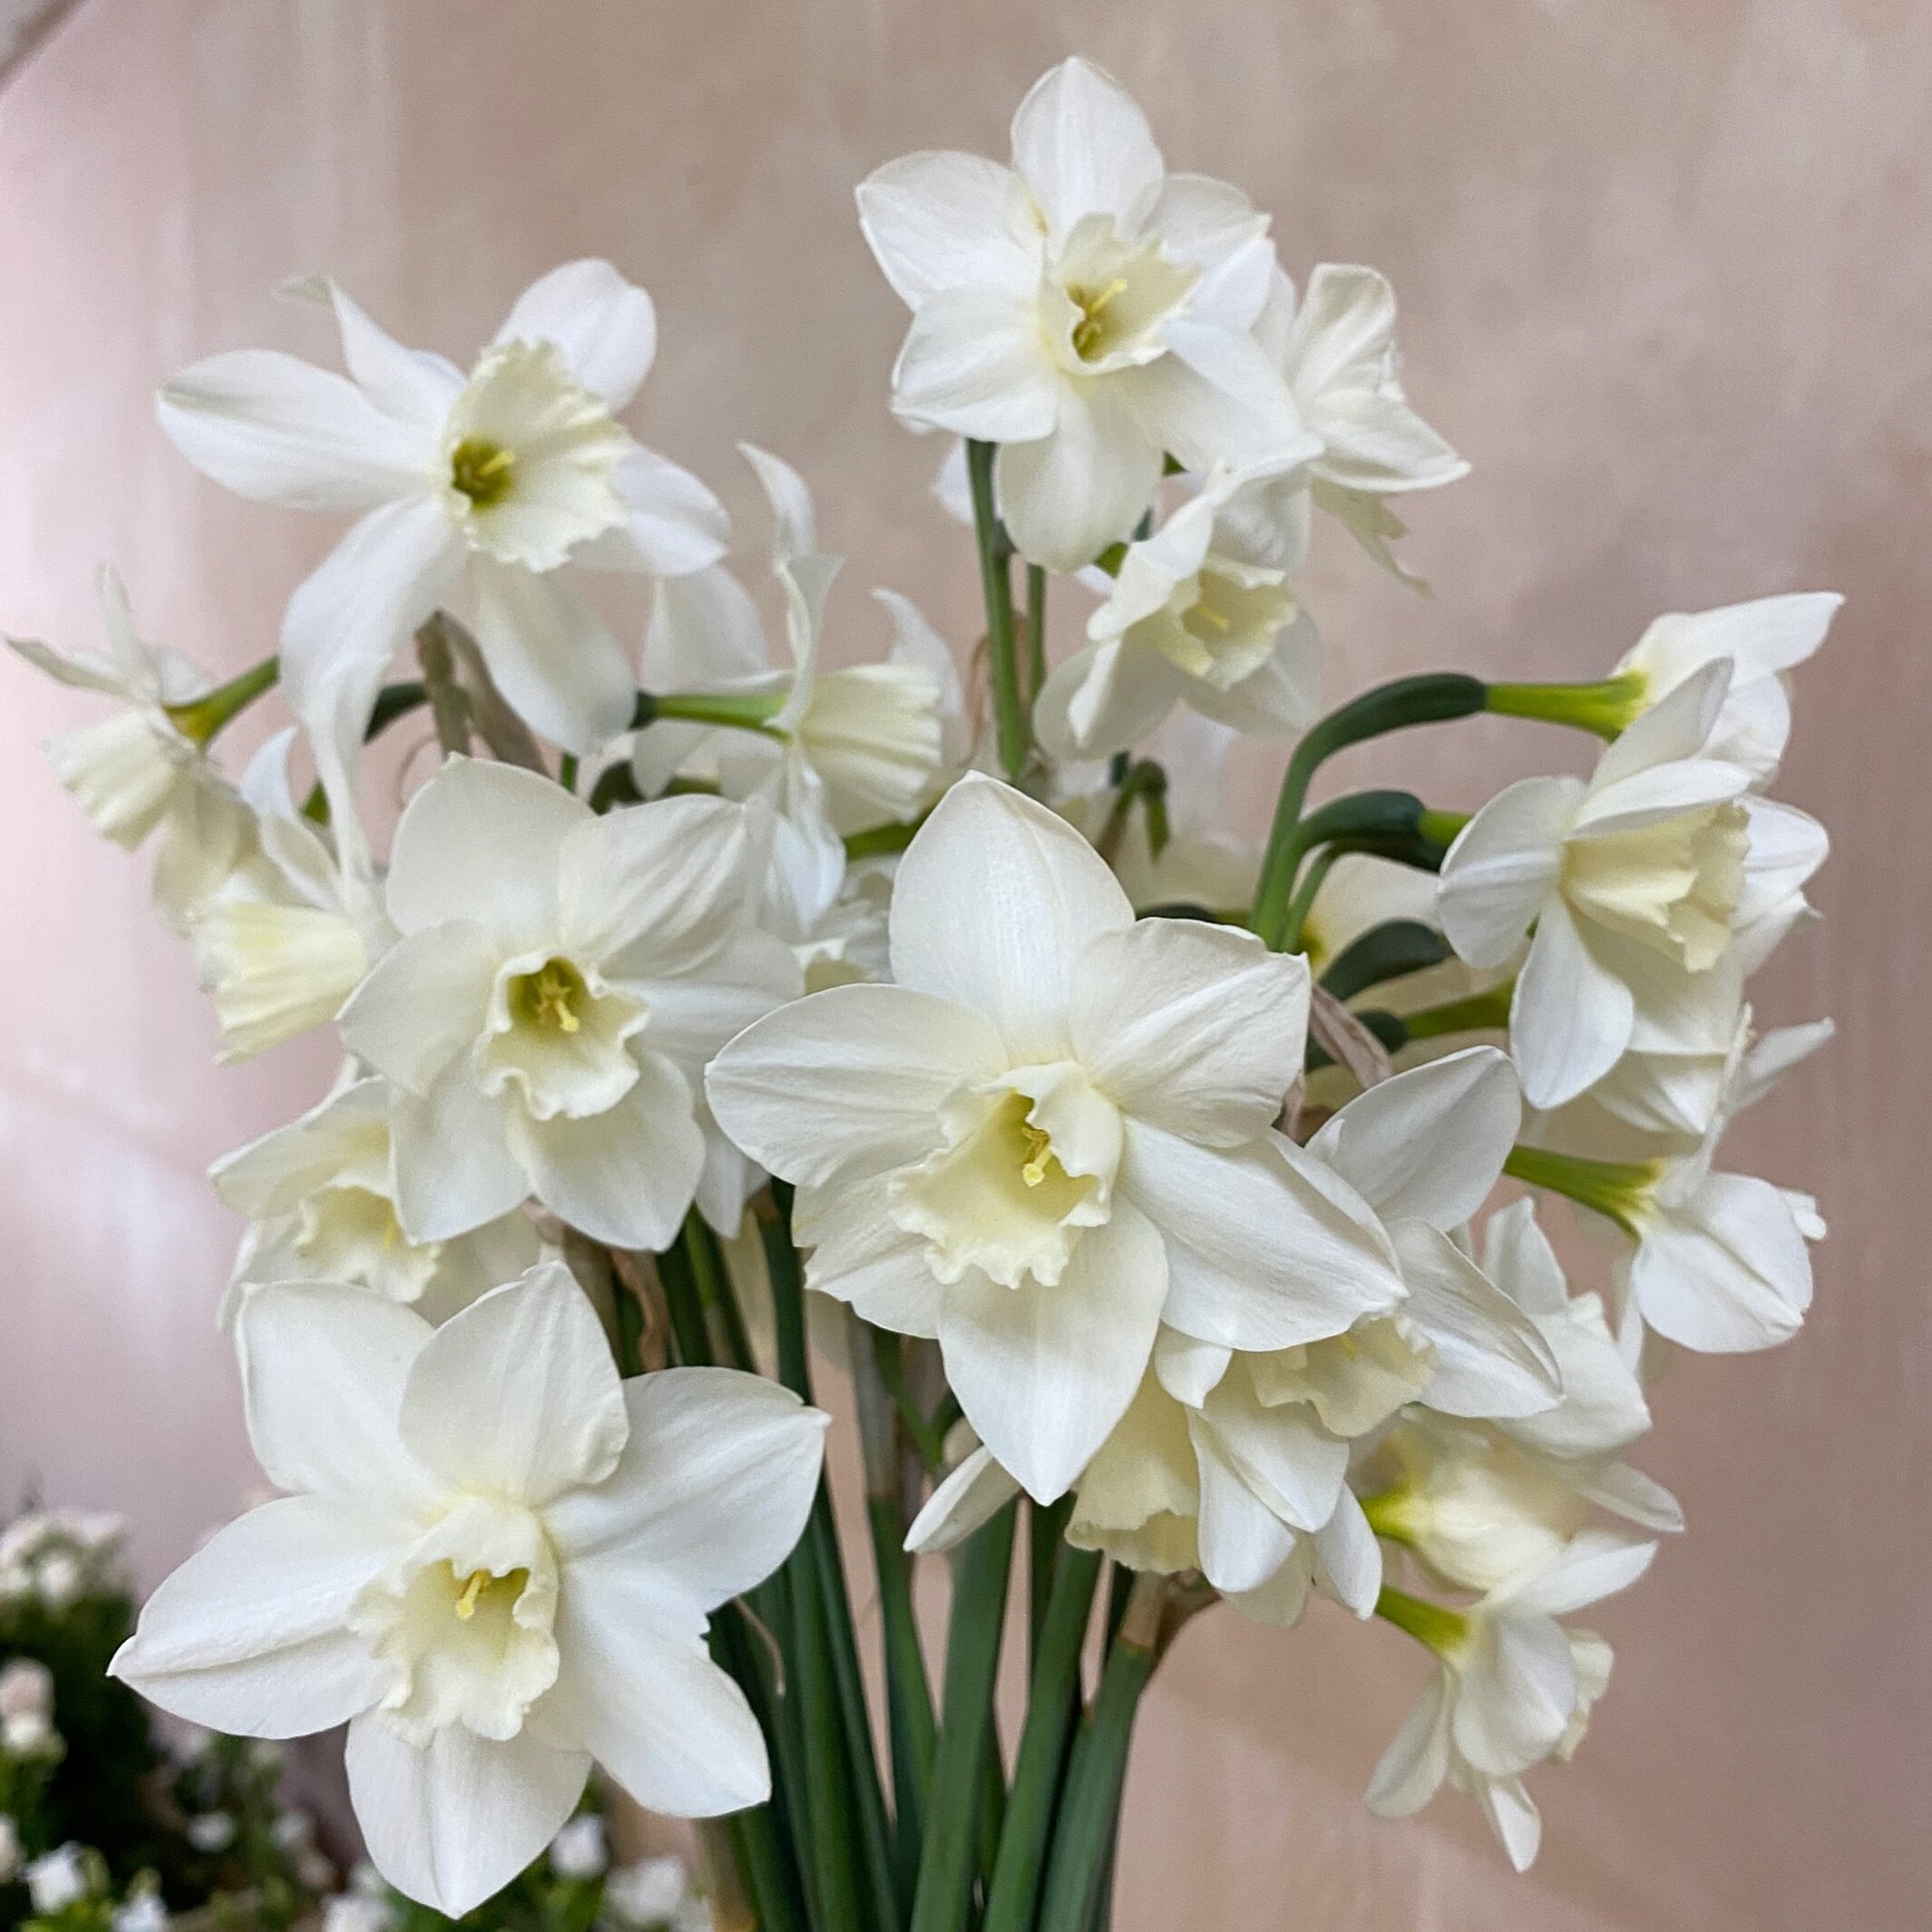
(547, 997)
(472, 1589)
(481, 471)
(1086, 331)
(1040, 1152)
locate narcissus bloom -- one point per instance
(1084, 309)
(1203, 612)
(320, 1198)
(1764, 639)
(1336, 348)
(1054, 1131)
(498, 478)
(1512, 1687)
(493, 1560)
(837, 750)
(1657, 872)
(559, 982)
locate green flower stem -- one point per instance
(1010, 710)
(832, 1832)
(913, 1730)
(1481, 1012)
(1617, 1190)
(760, 1840)
(832, 1697)
(1053, 1703)
(877, 840)
(1145, 782)
(723, 1322)
(202, 717)
(1606, 708)
(735, 710)
(1083, 1834)
(681, 1301)
(875, 1831)
(928, 1438)
(1434, 697)
(1392, 951)
(972, 1662)
(1035, 630)
(1442, 1630)
(1391, 824)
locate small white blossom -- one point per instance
(579, 1851)
(57, 1880)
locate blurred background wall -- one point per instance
(1665, 274)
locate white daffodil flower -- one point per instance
(494, 1561)
(320, 1196)
(143, 770)
(1270, 1430)
(1763, 640)
(1424, 1149)
(559, 982)
(835, 751)
(132, 770)
(1084, 309)
(1721, 1262)
(1603, 1411)
(1656, 872)
(496, 479)
(1203, 612)
(1052, 1132)
(285, 936)
(1478, 1510)
(1336, 349)
(1512, 1688)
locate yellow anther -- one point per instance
(1039, 1154)
(481, 471)
(1209, 615)
(549, 996)
(472, 1588)
(1086, 331)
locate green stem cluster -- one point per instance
(956, 1849)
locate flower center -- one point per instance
(1226, 631)
(1672, 887)
(549, 997)
(465, 1619)
(1113, 296)
(349, 1233)
(1028, 1161)
(1089, 332)
(481, 471)
(532, 458)
(557, 1034)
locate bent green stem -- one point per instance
(1606, 708)
(1434, 697)
(200, 719)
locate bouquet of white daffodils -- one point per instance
(1136, 1179)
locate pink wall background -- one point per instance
(1666, 272)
